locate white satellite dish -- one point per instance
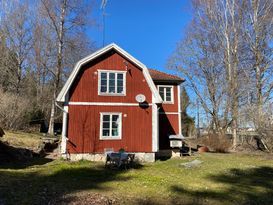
(140, 98)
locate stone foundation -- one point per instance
(139, 156)
(170, 153)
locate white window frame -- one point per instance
(172, 96)
(116, 72)
(119, 128)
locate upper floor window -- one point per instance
(112, 82)
(166, 93)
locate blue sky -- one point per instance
(147, 29)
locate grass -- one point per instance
(221, 179)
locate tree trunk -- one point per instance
(52, 116)
(58, 68)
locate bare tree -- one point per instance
(199, 59)
(67, 20)
(210, 59)
(16, 33)
(259, 33)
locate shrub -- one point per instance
(217, 142)
(13, 109)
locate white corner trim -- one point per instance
(179, 110)
(101, 137)
(156, 98)
(172, 93)
(64, 91)
(155, 132)
(64, 130)
(105, 104)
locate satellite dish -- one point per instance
(140, 98)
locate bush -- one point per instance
(218, 143)
(13, 109)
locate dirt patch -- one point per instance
(85, 199)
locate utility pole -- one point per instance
(198, 118)
(103, 5)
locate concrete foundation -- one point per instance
(139, 156)
(170, 153)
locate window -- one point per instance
(110, 125)
(112, 82)
(166, 93)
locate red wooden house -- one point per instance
(112, 100)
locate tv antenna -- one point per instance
(103, 5)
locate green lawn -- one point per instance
(221, 179)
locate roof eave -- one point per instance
(169, 81)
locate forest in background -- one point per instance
(40, 41)
(227, 60)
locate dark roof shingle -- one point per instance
(161, 76)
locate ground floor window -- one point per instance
(110, 125)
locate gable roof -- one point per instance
(62, 95)
(161, 76)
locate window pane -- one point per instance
(103, 86)
(115, 132)
(112, 76)
(120, 89)
(120, 83)
(105, 132)
(115, 118)
(103, 89)
(111, 82)
(161, 89)
(103, 76)
(103, 82)
(112, 89)
(168, 98)
(114, 125)
(106, 125)
(120, 76)
(168, 94)
(106, 118)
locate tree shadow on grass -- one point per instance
(49, 187)
(16, 164)
(19, 158)
(240, 186)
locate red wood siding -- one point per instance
(168, 125)
(84, 129)
(85, 87)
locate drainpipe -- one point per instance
(158, 108)
(60, 107)
(64, 128)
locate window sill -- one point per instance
(111, 94)
(110, 138)
(164, 102)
